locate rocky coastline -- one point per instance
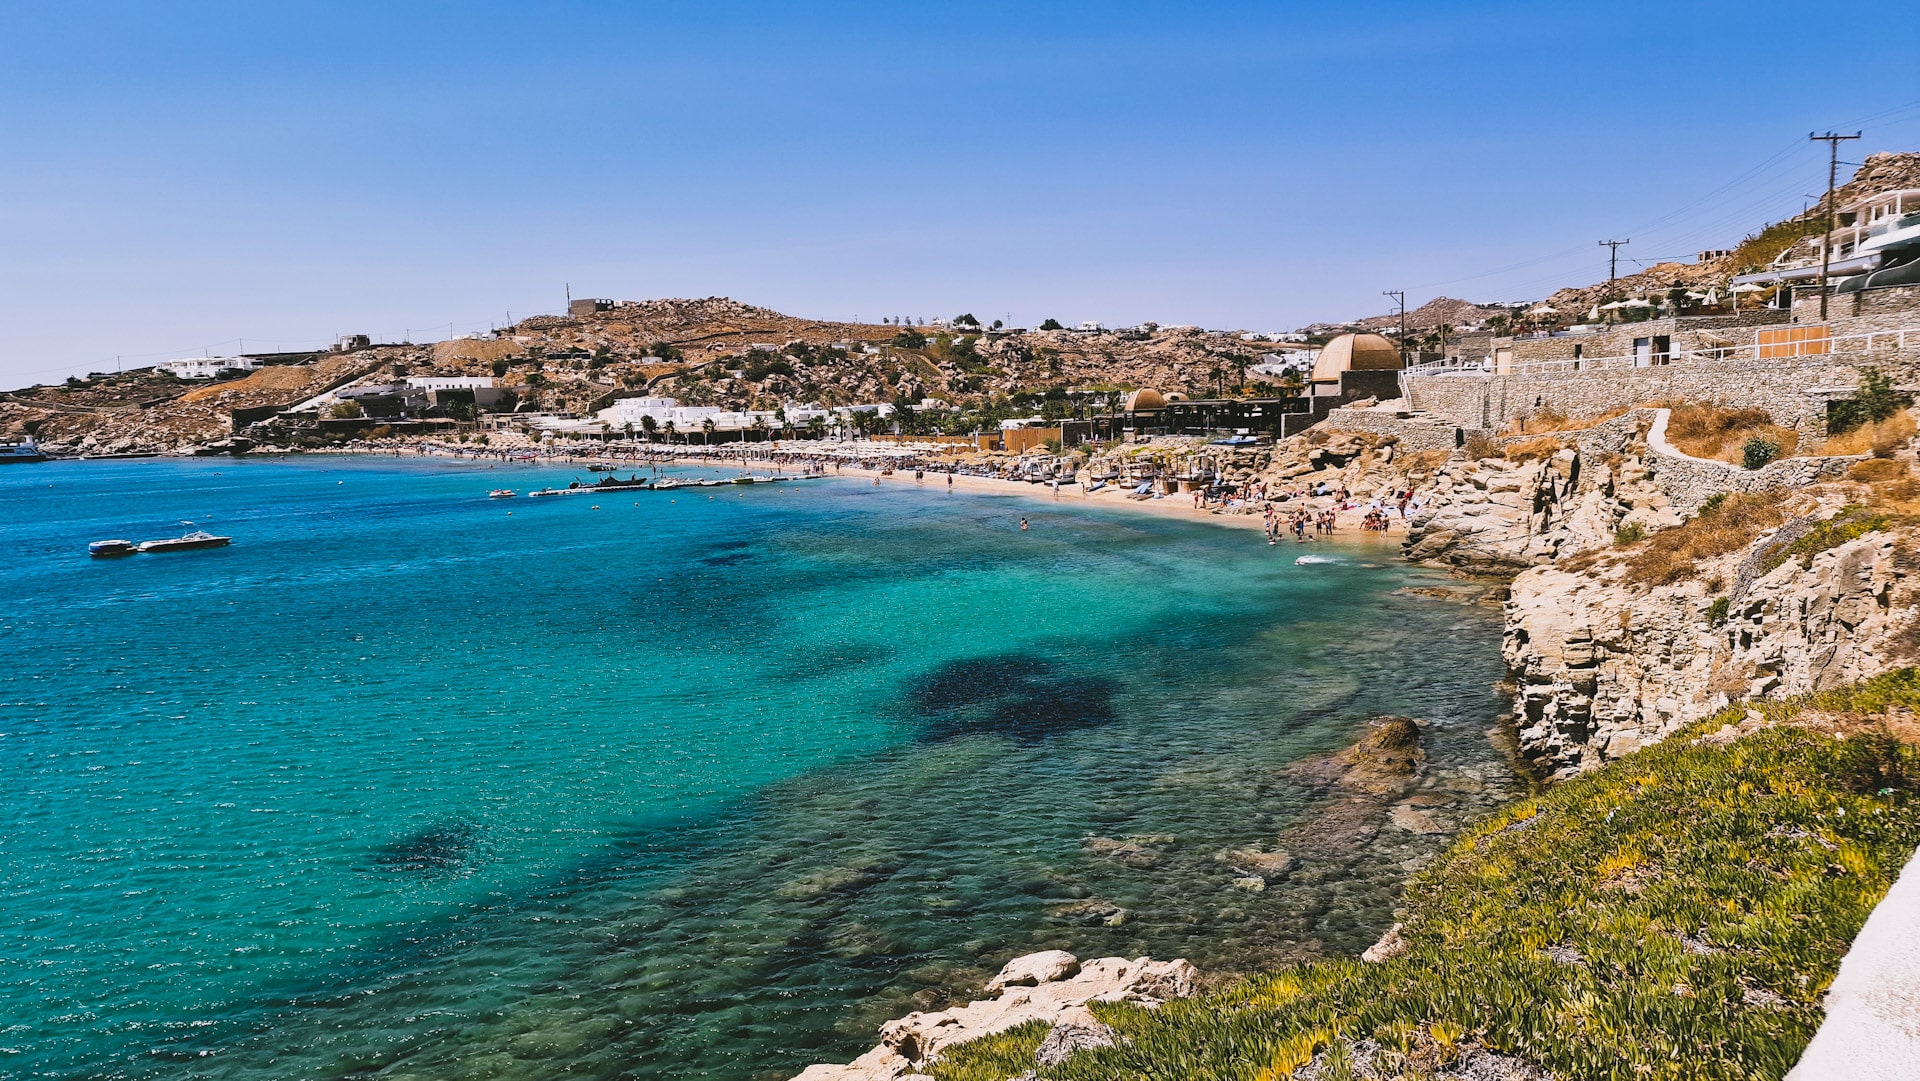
(1642, 591)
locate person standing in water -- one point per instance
(1023, 525)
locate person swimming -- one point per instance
(1023, 525)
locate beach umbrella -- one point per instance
(1594, 313)
(1544, 309)
(1749, 287)
(1613, 307)
(1713, 296)
(1636, 302)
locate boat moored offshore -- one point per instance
(199, 538)
(109, 549)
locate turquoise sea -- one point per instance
(411, 783)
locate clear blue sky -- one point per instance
(179, 177)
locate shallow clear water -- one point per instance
(700, 785)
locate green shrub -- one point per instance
(1758, 452)
(1629, 533)
(1717, 611)
(1875, 401)
(1712, 504)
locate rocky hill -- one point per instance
(711, 351)
(1436, 313)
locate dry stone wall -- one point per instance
(1691, 481)
(1779, 386)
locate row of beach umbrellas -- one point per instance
(1711, 296)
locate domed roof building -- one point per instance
(1147, 399)
(1355, 353)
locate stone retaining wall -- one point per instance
(1413, 433)
(1690, 481)
(1778, 386)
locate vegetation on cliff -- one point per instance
(1675, 914)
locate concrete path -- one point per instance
(1872, 1030)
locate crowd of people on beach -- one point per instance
(1283, 509)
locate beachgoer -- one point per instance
(1023, 525)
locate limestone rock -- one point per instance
(1075, 1030)
(1052, 986)
(1391, 945)
(1603, 668)
(1035, 968)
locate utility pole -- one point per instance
(1613, 255)
(1400, 298)
(1833, 142)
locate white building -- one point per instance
(206, 367)
(451, 382)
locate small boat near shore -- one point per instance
(111, 549)
(21, 453)
(502, 493)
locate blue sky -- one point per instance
(179, 178)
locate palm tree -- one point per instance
(670, 429)
(706, 427)
(648, 425)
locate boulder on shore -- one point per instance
(1052, 986)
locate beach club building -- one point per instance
(206, 367)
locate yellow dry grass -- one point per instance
(283, 378)
(1877, 470)
(1552, 420)
(1674, 555)
(1879, 440)
(1712, 431)
(1527, 450)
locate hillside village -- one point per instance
(717, 369)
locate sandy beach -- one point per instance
(1173, 506)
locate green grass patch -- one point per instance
(1851, 523)
(1675, 914)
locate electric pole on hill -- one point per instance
(1613, 256)
(1833, 142)
(1400, 298)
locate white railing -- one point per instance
(1846, 345)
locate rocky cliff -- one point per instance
(1603, 665)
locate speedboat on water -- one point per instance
(108, 549)
(502, 493)
(746, 478)
(546, 491)
(199, 538)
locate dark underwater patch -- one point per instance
(434, 851)
(1022, 698)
